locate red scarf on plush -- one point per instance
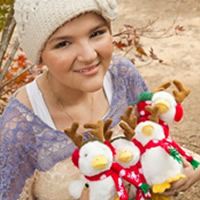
(136, 169)
(113, 172)
(116, 171)
(117, 180)
(165, 143)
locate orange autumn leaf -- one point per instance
(141, 51)
(21, 61)
(120, 45)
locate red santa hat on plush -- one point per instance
(145, 99)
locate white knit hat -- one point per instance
(38, 19)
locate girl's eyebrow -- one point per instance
(65, 37)
(59, 38)
(98, 27)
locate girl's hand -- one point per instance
(192, 176)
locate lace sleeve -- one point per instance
(127, 84)
(135, 81)
(27, 144)
(128, 77)
(16, 155)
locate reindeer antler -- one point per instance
(154, 113)
(97, 129)
(131, 121)
(71, 133)
(107, 132)
(162, 87)
(101, 129)
(182, 92)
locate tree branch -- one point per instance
(15, 77)
(7, 34)
(9, 60)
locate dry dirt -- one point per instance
(180, 54)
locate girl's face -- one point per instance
(78, 54)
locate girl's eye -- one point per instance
(62, 44)
(97, 33)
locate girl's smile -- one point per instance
(88, 70)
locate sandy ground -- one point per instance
(181, 59)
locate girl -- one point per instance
(84, 82)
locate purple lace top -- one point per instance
(27, 143)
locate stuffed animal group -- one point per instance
(160, 157)
(144, 158)
(95, 159)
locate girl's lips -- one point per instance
(91, 70)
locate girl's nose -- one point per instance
(86, 53)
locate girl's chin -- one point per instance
(94, 86)
(94, 89)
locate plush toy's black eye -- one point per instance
(86, 155)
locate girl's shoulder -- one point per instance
(22, 94)
(22, 97)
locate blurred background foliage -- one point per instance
(15, 69)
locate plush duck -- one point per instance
(95, 161)
(170, 105)
(128, 155)
(145, 99)
(155, 147)
(170, 110)
(159, 168)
